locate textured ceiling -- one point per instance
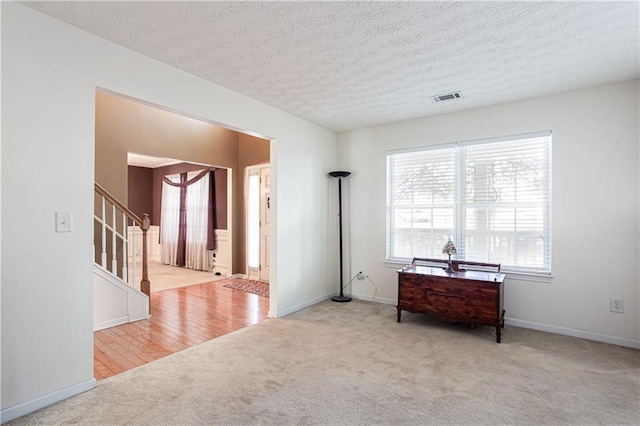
(347, 65)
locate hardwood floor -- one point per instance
(180, 318)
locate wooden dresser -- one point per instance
(467, 295)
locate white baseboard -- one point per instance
(619, 341)
(222, 269)
(110, 323)
(19, 410)
(301, 306)
(368, 298)
(243, 276)
(574, 333)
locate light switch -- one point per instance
(64, 222)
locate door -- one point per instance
(265, 207)
(258, 221)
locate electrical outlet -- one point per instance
(616, 305)
(360, 276)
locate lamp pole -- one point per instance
(340, 175)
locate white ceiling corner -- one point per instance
(348, 65)
(149, 162)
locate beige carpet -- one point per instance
(165, 277)
(351, 364)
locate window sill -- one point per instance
(516, 276)
(521, 276)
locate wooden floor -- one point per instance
(180, 318)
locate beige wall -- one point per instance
(124, 126)
(140, 192)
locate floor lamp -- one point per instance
(340, 175)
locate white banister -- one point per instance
(125, 229)
(104, 232)
(133, 254)
(114, 232)
(127, 239)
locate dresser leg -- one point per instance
(498, 333)
(399, 315)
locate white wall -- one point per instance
(595, 207)
(50, 72)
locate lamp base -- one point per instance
(449, 269)
(341, 299)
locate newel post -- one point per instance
(145, 284)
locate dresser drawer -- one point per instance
(458, 295)
(455, 302)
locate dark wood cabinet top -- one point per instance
(458, 275)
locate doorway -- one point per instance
(146, 194)
(258, 190)
(125, 125)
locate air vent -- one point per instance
(446, 97)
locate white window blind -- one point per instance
(491, 197)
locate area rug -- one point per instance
(260, 288)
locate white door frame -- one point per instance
(261, 270)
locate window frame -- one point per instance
(460, 203)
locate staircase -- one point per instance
(118, 297)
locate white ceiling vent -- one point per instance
(446, 97)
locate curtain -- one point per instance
(181, 252)
(170, 221)
(211, 222)
(197, 214)
(187, 234)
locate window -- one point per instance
(491, 197)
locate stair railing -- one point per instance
(112, 229)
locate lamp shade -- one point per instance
(449, 248)
(339, 173)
